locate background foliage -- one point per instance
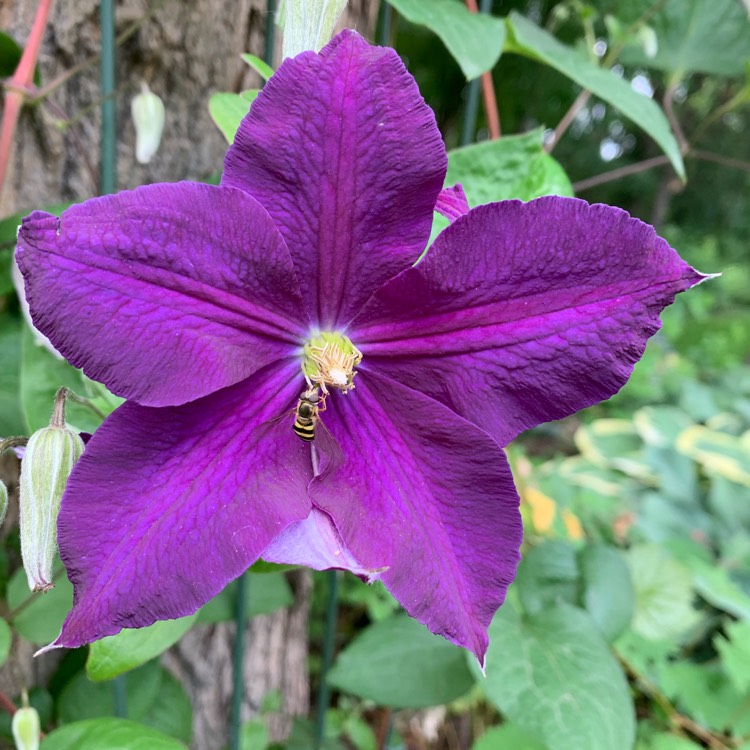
(629, 624)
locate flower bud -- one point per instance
(50, 456)
(26, 728)
(3, 502)
(148, 114)
(308, 24)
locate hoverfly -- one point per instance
(309, 427)
(306, 415)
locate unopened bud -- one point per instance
(308, 24)
(50, 456)
(148, 116)
(3, 502)
(26, 728)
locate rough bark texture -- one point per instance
(185, 50)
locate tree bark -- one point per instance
(185, 50)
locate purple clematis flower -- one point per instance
(207, 307)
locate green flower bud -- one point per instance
(148, 114)
(26, 728)
(3, 502)
(308, 24)
(50, 456)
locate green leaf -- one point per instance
(528, 39)
(154, 697)
(10, 56)
(254, 735)
(716, 586)
(553, 675)
(548, 575)
(718, 452)
(514, 166)
(474, 39)
(41, 375)
(130, 648)
(6, 636)
(112, 734)
(262, 68)
(398, 663)
(41, 618)
(266, 592)
(507, 737)
(697, 36)
(671, 742)
(11, 416)
(735, 654)
(227, 110)
(608, 594)
(663, 593)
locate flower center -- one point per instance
(329, 362)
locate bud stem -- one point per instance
(61, 398)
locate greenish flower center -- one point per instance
(329, 362)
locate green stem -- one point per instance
(109, 115)
(119, 688)
(270, 31)
(238, 681)
(385, 21)
(324, 692)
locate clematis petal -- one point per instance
(452, 202)
(316, 543)
(342, 151)
(168, 505)
(166, 293)
(524, 312)
(428, 496)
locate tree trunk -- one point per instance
(185, 50)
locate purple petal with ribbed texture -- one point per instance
(168, 505)
(430, 497)
(346, 156)
(315, 543)
(452, 202)
(524, 312)
(166, 293)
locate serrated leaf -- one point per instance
(663, 593)
(41, 618)
(553, 675)
(115, 654)
(512, 167)
(608, 593)
(262, 68)
(528, 39)
(109, 733)
(227, 110)
(697, 36)
(474, 39)
(398, 663)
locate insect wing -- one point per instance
(329, 455)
